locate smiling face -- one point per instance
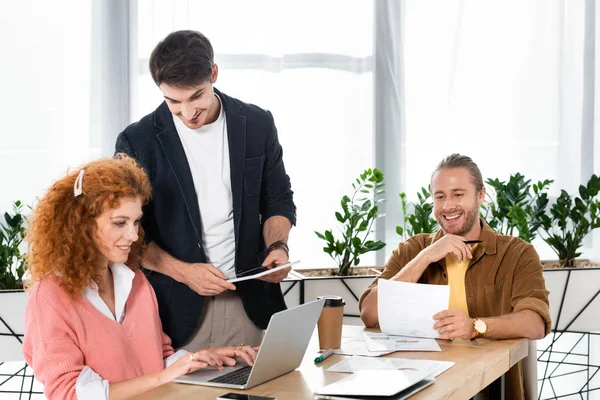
(117, 229)
(196, 105)
(456, 202)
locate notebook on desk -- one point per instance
(376, 385)
(281, 351)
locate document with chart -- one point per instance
(407, 309)
(432, 368)
(383, 342)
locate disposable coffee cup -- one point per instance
(330, 322)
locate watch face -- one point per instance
(480, 326)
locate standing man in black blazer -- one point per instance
(221, 201)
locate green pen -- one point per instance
(323, 356)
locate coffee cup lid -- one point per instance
(332, 301)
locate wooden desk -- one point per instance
(476, 367)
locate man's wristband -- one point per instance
(280, 244)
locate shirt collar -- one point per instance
(123, 280)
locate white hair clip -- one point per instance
(78, 185)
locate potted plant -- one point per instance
(356, 218)
(416, 217)
(571, 219)
(12, 299)
(12, 262)
(574, 291)
(516, 207)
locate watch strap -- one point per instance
(279, 244)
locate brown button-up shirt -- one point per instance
(504, 276)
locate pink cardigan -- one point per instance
(63, 335)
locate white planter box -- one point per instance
(568, 358)
(16, 378)
(574, 298)
(12, 322)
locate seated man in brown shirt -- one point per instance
(497, 289)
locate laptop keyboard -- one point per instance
(237, 377)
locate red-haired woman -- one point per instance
(92, 325)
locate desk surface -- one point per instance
(476, 367)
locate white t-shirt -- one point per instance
(207, 151)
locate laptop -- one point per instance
(281, 351)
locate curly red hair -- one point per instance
(63, 226)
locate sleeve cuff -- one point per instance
(538, 306)
(91, 386)
(174, 357)
(283, 210)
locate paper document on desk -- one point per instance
(357, 347)
(383, 342)
(432, 368)
(379, 384)
(407, 309)
(263, 273)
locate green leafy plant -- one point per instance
(571, 219)
(12, 262)
(420, 219)
(357, 217)
(516, 207)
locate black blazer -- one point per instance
(260, 188)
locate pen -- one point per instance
(323, 356)
(406, 341)
(472, 241)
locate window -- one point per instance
(46, 95)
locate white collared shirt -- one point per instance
(89, 384)
(122, 280)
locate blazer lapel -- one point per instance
(173, 149)
(236, 137)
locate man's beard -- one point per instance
(470, 218)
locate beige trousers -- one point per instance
(224, 323)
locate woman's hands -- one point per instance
(192, 362)
(217, 358)
(246, 353)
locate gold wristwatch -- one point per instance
(480, 327)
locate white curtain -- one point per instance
(310, 64)
(45, 102)
(593, 35)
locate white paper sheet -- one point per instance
(356, 347)
(383, 342)
(263, 273)
(407, 308)
(353, 364)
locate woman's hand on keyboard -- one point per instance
(231, 354)
(194, 361)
